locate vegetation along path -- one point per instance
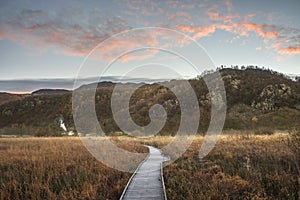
(147, 181)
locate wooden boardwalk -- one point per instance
(147, 181)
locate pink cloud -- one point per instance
(198, 30)
(77, 39)
(204, 31)
(71, 39)
(140, 56)
(290, 50)
(229, 28)
(214, 14)
(280, 36)
(264, 30)
(148, 39)
(222, 16)
(186, 28)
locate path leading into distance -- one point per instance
(147, 181)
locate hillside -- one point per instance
(7, 97)
(258, 99)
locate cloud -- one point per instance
(283, 40)
(76, 33)
(264, 30)
(228, 21)
(79, 35)
(186, 28)
(241, 25)
(204, 31)
(289, 50)
(146, 54)
(213, 15)
(123, 44)
(144, 7)
(45, 29)
(198, 31)
(234, 23)
(289, 44)
(179, 16)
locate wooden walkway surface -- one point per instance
(147, 181)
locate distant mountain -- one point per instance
(257, 99)
(50, 91)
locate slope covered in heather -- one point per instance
(258, 99)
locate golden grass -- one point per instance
(57, 168)
(241, 166)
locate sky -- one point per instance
(44, 41)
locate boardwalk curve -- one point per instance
(147, 181)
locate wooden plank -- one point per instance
(147, 180)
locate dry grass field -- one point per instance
(239, 167)
(57, 168)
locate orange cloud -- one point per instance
(146, 39)
(71, 39)
(204, 31)
(281, 37)
(264, 30)
(277, 44)
(186, 28)
(215, 16)
(78, 39)
(289, 50)
(198, 30)
(133, 56)
(225, 27)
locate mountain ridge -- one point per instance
(50, 91)
(268, 96)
